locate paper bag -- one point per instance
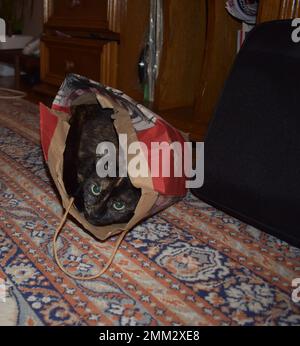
(139, 124)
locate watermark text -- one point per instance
(161, 159)
(2, 291)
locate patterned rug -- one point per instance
(189, 265)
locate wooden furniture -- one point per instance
(80, 36)
(278, 9)
(12, 56)
(182, 56)
(100, 39)
(65, 55)
(103, 40)
(219, 54)
(20, 62)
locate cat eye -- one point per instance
(119, 206)
(96, 189)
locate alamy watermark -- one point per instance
(296, 291)
(296, 31)
(2, 30)
(161, 159)
(2, 291)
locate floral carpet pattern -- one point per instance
(189, 265)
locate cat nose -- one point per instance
(93, 215)
(96, 211)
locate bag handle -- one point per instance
(76, 277)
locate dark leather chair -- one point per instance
(252, 149)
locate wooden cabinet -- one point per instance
(100, 39)
(182, 56)
(78, 14)
(103, 40)
(220, 52)
(62, 56)
(278, 9)
(80, 36)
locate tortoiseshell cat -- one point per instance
(104, 201)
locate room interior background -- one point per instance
(199, 47)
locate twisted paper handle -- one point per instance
(106, 267)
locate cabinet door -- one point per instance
(60, 57)
(78, 14)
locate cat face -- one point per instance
(107, 199)
(103, 201)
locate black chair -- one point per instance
(252, 149)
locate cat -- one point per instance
(103, 201)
